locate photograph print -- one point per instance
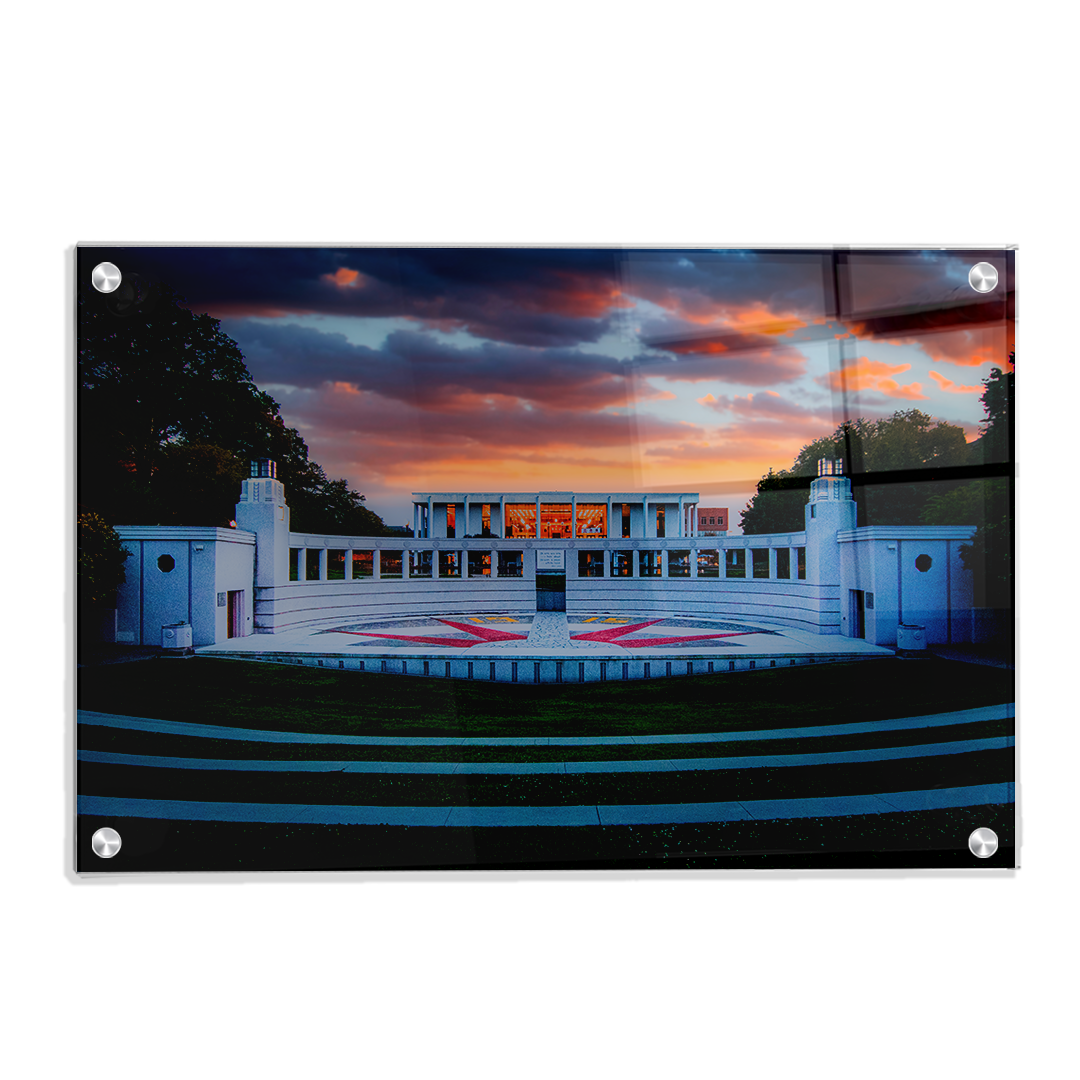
(544, 558)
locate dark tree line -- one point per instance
(964, 484)
(169, 419)
(907, 440)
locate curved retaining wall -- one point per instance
(314, 603)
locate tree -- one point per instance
(909, 439)
(990, 554)
(169, 418)
(101, 561)
(996, 442)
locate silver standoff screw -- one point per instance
(983, 277)
(106, 277)
(983, 843)
(106, 843)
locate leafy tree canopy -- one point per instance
(101, 561)
(908, 439)
(169, 418)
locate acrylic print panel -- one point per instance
(544, 558)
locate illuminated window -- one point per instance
(451, 519)
(521, 519)
(479, 564)
(449, 564)
(625, 519)
(708, 564)
(660, 523)
(554, 521)
(363, 564)
(485, 519)
(592, 519)
(622, 564)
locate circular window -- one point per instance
(923, 563)
(165, 563)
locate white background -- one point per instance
(588, 122)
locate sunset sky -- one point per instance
(468, 369)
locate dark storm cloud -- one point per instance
(368, 423)
(554, 298)
(427, 373)
(525, 297)
(701, 285)
(744, 359)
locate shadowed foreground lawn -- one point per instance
(278, 697)
(929, 838)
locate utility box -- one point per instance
(910, 638)
(176, 636)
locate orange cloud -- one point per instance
(953, 388)
(970, 347)
(345, 278)
(752, 318)
(866, 374)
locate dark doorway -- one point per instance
(550, 592)
(858, 613)
(236, 614)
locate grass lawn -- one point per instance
(278, 697)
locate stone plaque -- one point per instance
(551, 560)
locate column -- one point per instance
(573, 515)
(772, 563)
(682, 512)
(404, 565)
(464, 530)
(537, 530)
(430, 515)
(502, 516)
(494, 563)
(722, 554)
(301, 565)
(376, 565)
(608, 530)
(348, 564)
(793, 564)
(693, 562)
(645, 518)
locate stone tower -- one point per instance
(262, 510)
(830, 509)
